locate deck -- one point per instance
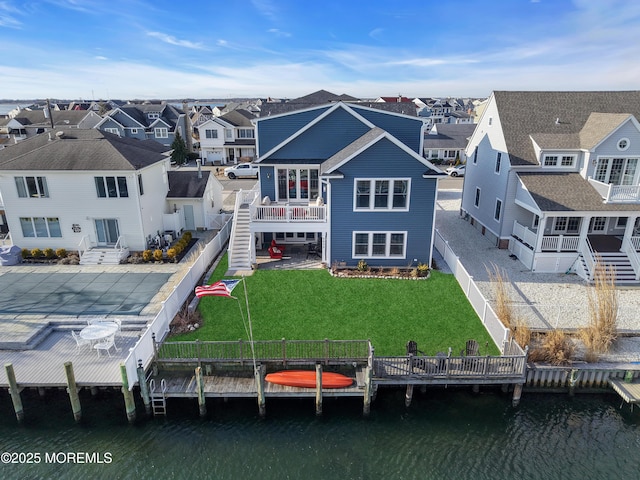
(43, 366)
(223, 386)
(629, 391)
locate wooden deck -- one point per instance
(629, 391)
(223, 386)
(43, 366)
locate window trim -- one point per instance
(370, 236)
(390, 195)
(48, 224)
(559, 160)
(626, 145)
(475, 156)
(476, 200)
(161, 132)
(497, 211)
(39, 182)
(102, 184)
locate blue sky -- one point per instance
(124, 49)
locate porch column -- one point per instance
(542, 222)
(584, 230)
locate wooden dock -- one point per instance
(223, 386)
(629, 391)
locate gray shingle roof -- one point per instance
(60, 118)
(566, 192)
(523, 114)
(186, 184)
(454, 136)
(91, 150)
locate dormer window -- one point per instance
(559, 160)
(153, 115)
(623, 144)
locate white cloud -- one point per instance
(171, 40)
(279, 33)
(8, 16)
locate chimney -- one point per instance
(48, 109)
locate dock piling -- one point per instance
(202, 406)
(260, 390)
(14, 392)
(144, 388)
(408, 396)
(318, 389)
(129, 402)
(517, 393)
(366, 408)
(72, 390)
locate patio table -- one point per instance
(98, 331)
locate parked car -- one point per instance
(241, 170)
(457, 171)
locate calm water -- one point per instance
(445, 434)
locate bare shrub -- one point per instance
(602, 298)
(555, 347)
(503, 307)
(184, 322)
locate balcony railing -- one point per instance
(288, 213)
(616, 193)
(560, 243)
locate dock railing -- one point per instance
(328, 352)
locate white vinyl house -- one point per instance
(82, 189)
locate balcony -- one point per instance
(285, 213)
(616, 193)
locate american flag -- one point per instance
(222, 288)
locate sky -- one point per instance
(143, 49)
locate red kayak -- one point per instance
(307, 379)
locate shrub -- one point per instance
(178, 248)
(61, 253)
(36, 253)
(557, 347)
(49, 253)
(157, 255)
(423, 269)
(146, 255)
(602, 298)
(172, 254)
(362, 266)
(187, 236)
(26, 253)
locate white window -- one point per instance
(228, 134)
(211, 133)
(559, 160)
(246, 133)
(40, 227)
(498, 160)
(381, 194)
(379, 244)
(153, 115)
(598, 224)
(617, 171)
(298, 183)
(32, 187)
(498, 210)
(566, 225)
(623, 144)
(134, 131)
(115, 131)
(476, 201)
(161, 132)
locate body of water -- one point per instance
(444, 434)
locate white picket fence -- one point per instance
(499, 333)
(143, 351)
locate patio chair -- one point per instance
(275, 245)
(471, 348)
(106, 345)
(80, 342)
(275, 252)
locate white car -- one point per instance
(457, 171)
(241, 170)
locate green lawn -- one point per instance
(313, 305)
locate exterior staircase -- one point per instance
(103, 256)
(624, 272)
(240, 241)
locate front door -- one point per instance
(189, 222)
(107, 231)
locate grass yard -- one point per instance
(313, 305)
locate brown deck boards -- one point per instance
(43, 366)
(235, 386)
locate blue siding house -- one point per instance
(343, 177)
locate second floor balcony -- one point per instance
(616, 193)
(287, 213)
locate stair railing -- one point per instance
(629, 249)
(589, 258)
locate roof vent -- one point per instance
(558, 121)
(59, 135)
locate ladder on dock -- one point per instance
(158, 397)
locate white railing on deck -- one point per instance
(288, 213)
(560, 243)
(635, 241)
(616, 193)
(143, 350)
(524, 234)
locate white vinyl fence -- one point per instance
(499, 333)
(143, 350)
